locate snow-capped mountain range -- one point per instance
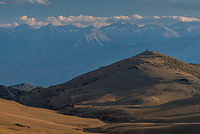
(55, 54)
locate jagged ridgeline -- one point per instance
(193, 69)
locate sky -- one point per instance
(82, 13)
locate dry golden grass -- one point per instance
(18, 119)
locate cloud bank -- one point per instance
(84, 21)
(32, 22)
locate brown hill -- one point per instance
(18, 119)
(149, 87)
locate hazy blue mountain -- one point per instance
(24, 28)
(186, 28)
(54, 54)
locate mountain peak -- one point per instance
(49, 29)
(23, 27)
(149, 52)
(89, 27)
(23, 86)
(50, 25)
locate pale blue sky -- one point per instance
(38, 13)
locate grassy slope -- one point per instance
(147, 88)
(18, 119)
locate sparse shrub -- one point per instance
(173, 63)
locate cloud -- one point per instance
(123, 18)
(16, 24)
(54, 21)
(156, 17)
(38, 1)
(84, 21)
(167, 20)
(136, 16)
(32, 22)
(46, 2)
(2, 2)
(5, 25)
(183, 4)
(185, 19)
(160, 20)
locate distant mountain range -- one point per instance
(54, 54)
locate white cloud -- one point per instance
(122, 17)
(160, 20)
(185, 19)
(5, 25)
(16, 24)
(38, 1)
(46, 2)
(54, 21)
(167, 20)
(2, 2)
(80, 18)
(156, 17)
(32, 22)
(83, 21)
(136, 16)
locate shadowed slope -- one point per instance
(9, 93)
